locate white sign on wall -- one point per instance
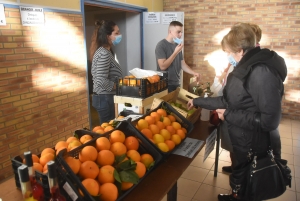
(31, 16)
(167, 18)
(152, 18)
(2, 15)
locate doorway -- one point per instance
(128, 53)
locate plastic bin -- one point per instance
(75, 182)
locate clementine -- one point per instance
(150, 119)
(47, 150)
(73, 163)
(140, 169)
(126, 185)
(85, 138)
(46, 158)
(117, 136)
(147, 132)
(106, 174)
(105, 157)
(61, 144)
(154, 128)
(88, 153)
(170, 144)
(131, 143)
(91, 186)
(102, 143)
(88, 169)
(133, 155)
(118, 148)
(108, 191)
(147, 159)
(142, 123)
(38, 167)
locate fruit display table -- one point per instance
(161, 181)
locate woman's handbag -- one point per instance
(263, 177)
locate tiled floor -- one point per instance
(197, 183)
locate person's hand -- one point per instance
(221, 113)
(178, 48)
(190, 104)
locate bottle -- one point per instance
(37, 189)
(53, 185)
(25, 183)
(204, 112)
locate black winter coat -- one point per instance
(254, 86)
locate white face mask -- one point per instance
(177, 40)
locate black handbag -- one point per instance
(263, 176)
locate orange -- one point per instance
(158, 138)
(73, 163)
(88, 153)
(88, 169)
(70, 139)
(126, 185)
(172, 118)
(176, 125)
(117, 136)
(147, 159)
(166, 121)
(154, 129)
(46, 158)
(58, 150)
(91, 186)
(133, 155)
(61, 144)
(85, 138)
(47, 150)
(147, 132)
(184, 130)
(140, 169)
(118, 148)
(150, 119)
(108, 128)
(171, 129)
(45, 169)
(181, 133)
(170, 144)
(73, 144)
(105, 157)
(165, 133)
(131, 143)
(163, 147)
(162, 112)
(38, 167)
(96, 128)
(155, 115)
(108, 192)
(106, 174)
(100, 131)
(176, 139)
(102, 143)
(104, 125)
(160, 125)
(142, 123)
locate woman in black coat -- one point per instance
(254, 89)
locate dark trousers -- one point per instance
(104, 104)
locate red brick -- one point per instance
(15, 57)
(19, 91)
(34, 55)
(23, 50)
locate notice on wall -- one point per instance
(188, 147)
(2, 16)
(152, 18)
(210, 144)
(31, 16)
(167, 18)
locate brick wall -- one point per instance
(43, 93)
(206, 19)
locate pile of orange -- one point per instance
(130, 80)
(96, 164)
(162, 129)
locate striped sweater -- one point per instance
(104, 70)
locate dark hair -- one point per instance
(103, 29)
(176, 23)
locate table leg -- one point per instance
(217, 152)
(172, 194)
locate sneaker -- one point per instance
(227, 197)
(227, 169)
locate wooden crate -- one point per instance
(179, 96)
(141, 104)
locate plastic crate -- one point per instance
(75, 182)
(179, 118)
(140, 87)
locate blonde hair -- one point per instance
(255, 28)
(240, 37)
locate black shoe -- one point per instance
(227, 197)
(227, 169)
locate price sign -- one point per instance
(31, 16)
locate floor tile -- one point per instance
(297, 171)
(195, 174)
(286, 149)
(221, 181)
(297, 181)
(207, 164)
(295, 136)
(292, 170)
(285, 128)
(286, 141)
(295, 129)
(293, 186)
(288, 157)
(298, 196)
(221, 164)
(287, 196)
(296, 160)
(208, 193)
(296, 143)
(183, 198)
(296, 151)
(225, 156)
(187, 188)
(286, 122)
(295, 123)
(285, 134)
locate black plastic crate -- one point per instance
(74, 180)
(179, 118)
(140, 87)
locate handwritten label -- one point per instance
(31, 16)
(210, 144)
(188, 147)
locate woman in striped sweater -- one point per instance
(105, 68)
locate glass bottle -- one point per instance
(37, 189)
(53, 184)
(25, 183)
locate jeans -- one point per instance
(104, 104)
(172, 88)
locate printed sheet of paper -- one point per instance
(188, 147)
(210, 144)
(152, 18)
(2, 16)
(31, 16)
(167, 18)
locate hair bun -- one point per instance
(99, 23)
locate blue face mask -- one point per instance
(177, 40)
(117, 40)
(232, 61)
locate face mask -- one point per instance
(232, 61)
(177, 40)
(117, 40)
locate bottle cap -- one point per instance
(23, 173)
(51, 169)
(28, 158)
